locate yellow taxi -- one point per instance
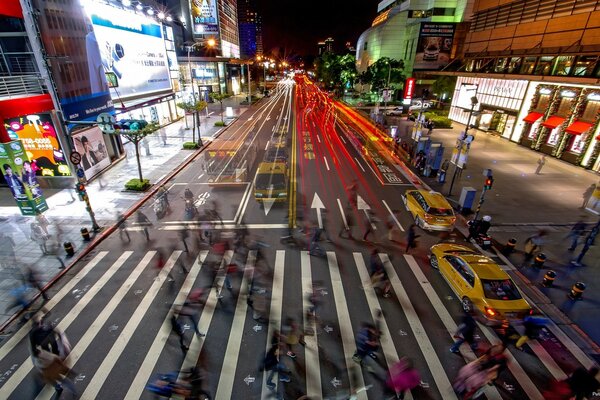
(430, 210)
(271, 182)
(480, 283)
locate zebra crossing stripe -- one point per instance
(275, 312)
(433, 362)
(27, 365)
(195, 347)
(547, 360)
(491, 392)
(145, 370)
(346, 332)
(225, 386)
(91, 392)
(65, 290)
(311, 350)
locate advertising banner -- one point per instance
(131, 47)
(21, 179)
(90, 144)
(38, 136)
(434, 45)
(204, 17)
(74, 59)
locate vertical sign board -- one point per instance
(409, 89)
(21, 179)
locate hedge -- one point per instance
(190, 146)
(439, 121)
(137, 185)
(219, 123)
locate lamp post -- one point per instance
(461, 141)
(210, 43)
(387, 86)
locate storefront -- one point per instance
(161, 110)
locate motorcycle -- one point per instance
(190, 210)
(483, 240)
(160, 208)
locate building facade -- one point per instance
(535, 68)
(250, 29)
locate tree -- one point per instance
(383, 72)
(335, 71)
(135, 134)
(443, 84)
(194, 108)
(220, 97)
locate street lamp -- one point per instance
(461, 141)
(211, 43)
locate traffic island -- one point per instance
(137, 185)
(190, 146)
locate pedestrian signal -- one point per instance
(81, 192)
(488, 183)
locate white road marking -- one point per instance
(275, 312)
(201, 175)
(547, 360)
(326, 163)
(341, 137)
(311, 352)
(267, 145)
(393, 216)
(359, 164)
(346, 331)
(145, 370)
(226, 226)
(64, 291)
(318, 138)
(225, 386)
(93, 388)
(435, 366)
(343, 214)
(25, 368)
(572, 347)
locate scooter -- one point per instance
(483, 240)
(160, 208)
(190, 210)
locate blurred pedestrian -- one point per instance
(392, 227)
(352, 192)
(411, 238)
(379, 278)
(557, 390)
(33, 278)
(183, 235)
(366, 343)
(533, 244)
(588, 194)
(42, 221)
(324, 222)
(540, 164)
(178, 330)
(583, 383)
(272, 364)
(7, 250)
(533, 324)
(38, 236)
(402, 376)
(160, 265)
(370, 225)
(379, 322)
(191, 309)
(313, 247)
(292, 336)
(348, 227)
(495, 360)
(122, 223)
(143, 220)
(472, 378)
(465, 332)
(575, 233)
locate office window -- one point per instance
(563, 65)
(514, 65)
(365, 46)
(544, 66)
(447, 12)
(584, 66)
(528, 65)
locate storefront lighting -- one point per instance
(139, 7)
(567, 93)
(161, 15)
(594, 96)
(150, 11)
(545, 91)
(169, 18)
(126, 3)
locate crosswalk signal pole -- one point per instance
(474, 102)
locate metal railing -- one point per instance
(11, 86)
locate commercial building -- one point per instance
(535, 68)
(250, 25)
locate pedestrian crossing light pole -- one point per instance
(464, 137)
(489, 181)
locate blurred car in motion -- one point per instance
(430, 210)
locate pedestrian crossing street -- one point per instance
(116, 313)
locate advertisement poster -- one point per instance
(131, 47)
(434, 45)
(38, 136)
(21, 178)
(204, 17)
(79, 76)
(90, 144)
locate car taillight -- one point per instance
(428, 217)
(490, 311)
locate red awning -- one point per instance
(578, 127)
(553, 122)
(532, 117)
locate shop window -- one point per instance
(482, 64)
(544, 66)
(553, 137)
(577, 143)
(564, 109)
(543, 102)
(501, 65)
(514, 65)
(438, 11)
(470, 65)
(584, 66)
(591, 111)
(528, 65)
(563, 65)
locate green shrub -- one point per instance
(219, 123)
(439, 121)
(190, 146)
(137, 185)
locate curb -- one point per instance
(105, 232)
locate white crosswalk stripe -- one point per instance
(313, 374)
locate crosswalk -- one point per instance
(116, 312)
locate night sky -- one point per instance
(298, 25)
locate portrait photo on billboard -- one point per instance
(38, 135)
(132, 48)
(434, 45)
(74, 59)
(94, 155)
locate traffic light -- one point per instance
(80, 188)
(489, 181)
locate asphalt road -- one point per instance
(115, 310)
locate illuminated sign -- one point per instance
(409, 88)
(567, 93)
(204, 17)
(545, 91)
(466, 92)
(38, 136)
(434, 45)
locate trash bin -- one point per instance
(467, 198)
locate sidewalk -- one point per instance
(521, 203)
(67, 215)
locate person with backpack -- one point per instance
(272, 364)
(366, 343)
(533, 324)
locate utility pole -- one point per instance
(461, 141)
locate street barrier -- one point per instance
(577, 290)
(85, 234)
(539, 260)
(549, 279)
(69, 249)
(509, 247)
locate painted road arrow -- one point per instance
(249, 379)
(318, 204)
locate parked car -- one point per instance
(480, 284)
(430, 210)
(417, 107)
(398, 111)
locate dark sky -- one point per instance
(298, 25)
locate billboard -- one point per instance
(131, 47)
(74, 59)
(90, 144)
(434, 45)
(204, 17)
(38, 136)
(21, 179)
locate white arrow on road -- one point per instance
(318, 204)
(328, 329)
(249, 379)
(257, 328)
(336, 382)
(362, 205)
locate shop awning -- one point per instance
(578, 127)
(553, 122)
(532, 117)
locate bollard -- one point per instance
(69, 249)
(509, 247)
(85, 234)
(576, 292)
(549, 279)
(539, 260)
